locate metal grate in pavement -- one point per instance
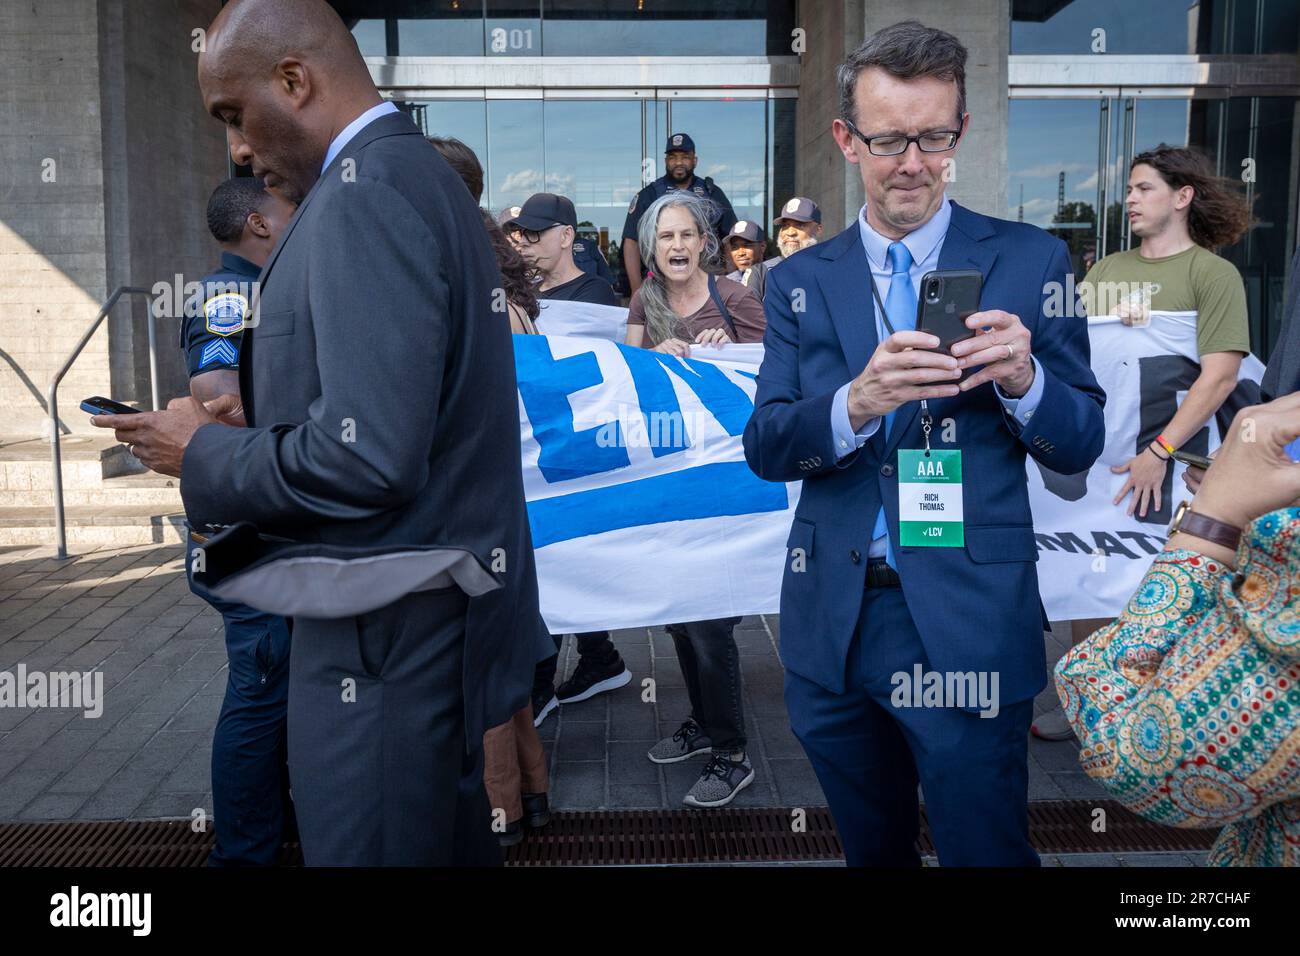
(608, 838)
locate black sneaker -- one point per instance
(593, 676)
(543, 703)
(721, 780)
(687, 741)
(537, 809)
(512, 834)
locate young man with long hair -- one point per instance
(1182, 212)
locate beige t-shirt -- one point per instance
(1194, 280)
(741, 302)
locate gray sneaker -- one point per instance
(721, 780)
(686, 742)
(1052, 725)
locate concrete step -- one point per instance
(97, 472)
(157, 491)
(92, 527)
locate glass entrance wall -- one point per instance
(1082, 200)
(600, 152)
(1095, 82)
(569, 27)
(1154, 26)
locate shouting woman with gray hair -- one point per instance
(680, 303)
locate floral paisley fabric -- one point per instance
(1188, 705)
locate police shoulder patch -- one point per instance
(219, 351)
(225, 313)
(631, 207)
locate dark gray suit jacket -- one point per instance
(379, 389)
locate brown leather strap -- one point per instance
(1211, 529)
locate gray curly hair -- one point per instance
(660, 319)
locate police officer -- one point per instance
(744, 246)
(586, 254)
(679, 161)
(250, 780)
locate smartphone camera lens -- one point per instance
(932, 290)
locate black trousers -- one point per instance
(381, 770)
(706, 651)
(596, 642)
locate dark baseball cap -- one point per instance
(542, 211)
(746, 229)
(680, 142)
(800, 209)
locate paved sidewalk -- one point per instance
(128, 613)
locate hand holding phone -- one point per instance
(1194, 461)
(98, 405)
(947, 299)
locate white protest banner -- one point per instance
(1091, 554)
(562, 317)
(642, 508)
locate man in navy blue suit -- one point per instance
(909, 658)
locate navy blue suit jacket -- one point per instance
(976, 607)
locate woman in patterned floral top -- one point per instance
(1188, 705)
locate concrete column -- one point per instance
(106, 163)
(834, 29)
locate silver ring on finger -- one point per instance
(1010, 352)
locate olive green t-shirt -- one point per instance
(1194, 280)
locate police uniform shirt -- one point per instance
(211, 336)
(723, 219)
(589, 260)
(585, 288)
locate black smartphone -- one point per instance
(98, 405)
(1187, 458)
(947, 299)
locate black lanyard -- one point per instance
(926, 420)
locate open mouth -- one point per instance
(679, 263)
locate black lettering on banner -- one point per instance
(1160, 379)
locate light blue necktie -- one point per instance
(900, 306)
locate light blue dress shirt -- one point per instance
(351, 130)
(925, 245)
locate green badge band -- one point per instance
(929, 499)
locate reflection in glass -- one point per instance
(516, 163)
(370, 37)
(466, 120)
(593, 156)
(1052, 148)
(570, 27)
(731, 146)
(1257, 133)
(666, 27)
(1155, 26)
(414, 27)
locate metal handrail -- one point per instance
(52, 402)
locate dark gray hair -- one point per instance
(905, 50)
(660, 320)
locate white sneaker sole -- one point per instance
(609, 683)
(686, 756)
(550, 706)
(692, 802)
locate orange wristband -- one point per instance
(1165, 445)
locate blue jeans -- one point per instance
(250, 776)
